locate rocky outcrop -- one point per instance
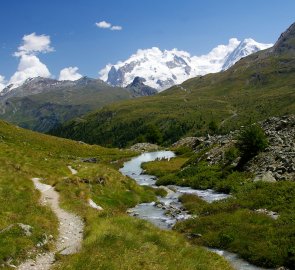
(278, 159)
(276, 163)
(138, 88)
(285, 43)
(144, 147)
(190, 142)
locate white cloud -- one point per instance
(116, 28)
(2, 83)
(103, 24)
(107, 25)
(33, 44)
(30, 65)
(70, 74)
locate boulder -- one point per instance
(267, 177)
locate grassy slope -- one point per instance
(255, 88)
(112, 240)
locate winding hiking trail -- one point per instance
(70, 230)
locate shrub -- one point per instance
(213, 127)
(251, 141)
(231, 155)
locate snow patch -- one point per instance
(94, 205)
(73, 171)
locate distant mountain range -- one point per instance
(163, 69)
(258, 86)
(42, 103)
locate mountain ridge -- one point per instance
(42, 103)
(163, 69)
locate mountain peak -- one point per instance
(246, 47)
(138, 81)
(138, 88)
(38, 79)
(162, 69)
(286, 41)
(84, 80)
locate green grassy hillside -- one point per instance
(54, 103)
(112, 239)
(258, 86)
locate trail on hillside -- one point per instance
(233, 115)
(70, 230)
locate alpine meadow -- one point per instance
(147, 135)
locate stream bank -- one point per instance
(168, 210)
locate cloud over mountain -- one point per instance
(29, 64)
(2, 82)
(69, 74)
(33, 44)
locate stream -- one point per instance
(168, 210)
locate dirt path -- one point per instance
(234, 114)
(70, 230)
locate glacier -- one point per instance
(162, 69)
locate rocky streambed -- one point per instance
(168, 210)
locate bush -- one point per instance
(231, 155)
(213, 127)
(251, 141)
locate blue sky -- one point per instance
(191, 25)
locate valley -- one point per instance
(255, 88)
(133, 243)
(167, 160)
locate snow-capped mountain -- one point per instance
(162, 69)
(245, 48)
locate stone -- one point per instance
(90, 160)
(144, 147)
(267, 177)
(26, 228)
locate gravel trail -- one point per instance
(70, 230)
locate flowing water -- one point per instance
(168, 210)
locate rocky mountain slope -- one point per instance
(275, 163)
(257, 87)
(138, 88)
(41, 103)
(163, 69)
